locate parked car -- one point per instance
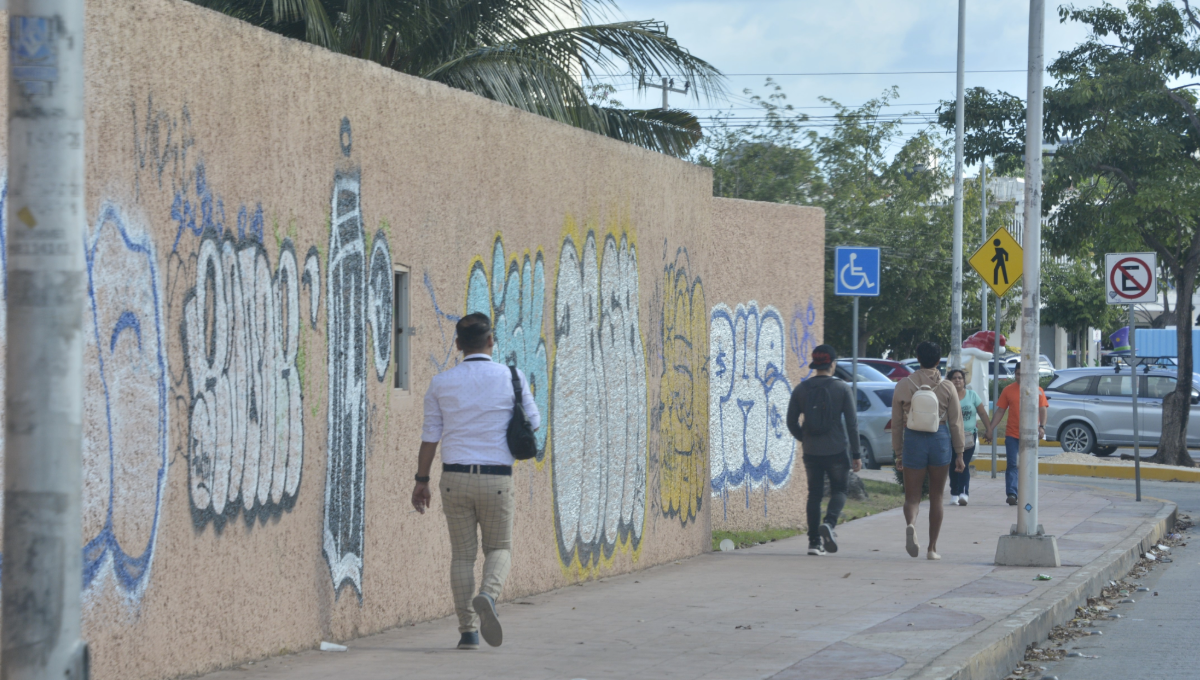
(894, 370)
(1091, 409)
(1045, 366)
(865, 372)
(875, 423)
(914, 365)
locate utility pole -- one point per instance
(1027, 545)
(43, 556)
(983, 290)
(957, 250)
(668, 86)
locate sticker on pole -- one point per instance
(856, 271)
(1129, 278)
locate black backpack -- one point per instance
(820, 416)
(522, 443)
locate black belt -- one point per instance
(503, 470)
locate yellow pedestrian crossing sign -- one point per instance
(999, 261)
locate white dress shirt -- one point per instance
(468, 408)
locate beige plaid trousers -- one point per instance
(473, 500)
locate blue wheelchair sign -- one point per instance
(856, 271)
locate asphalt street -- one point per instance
(1158, 635)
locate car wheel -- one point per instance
(868, 455)
(1077, 438)
(1105, 450)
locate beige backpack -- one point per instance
(923, 410)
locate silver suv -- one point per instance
(1091, 409)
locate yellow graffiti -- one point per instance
(683, 389)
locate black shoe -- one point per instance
(489, 622)
(469, 641)
(816, 549)
(1012, 500)
(827, 537)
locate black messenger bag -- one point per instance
(522, 443)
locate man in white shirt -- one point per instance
(467, 409)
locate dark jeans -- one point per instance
(960, 482)
(1012, 454)
(838, 469)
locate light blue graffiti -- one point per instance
(515, 300)
(748, 398)
(445, 324)
(804, 341)
(130, 366)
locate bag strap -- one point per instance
(516, 381)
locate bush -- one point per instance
(924, 485)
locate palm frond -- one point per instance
(669, 131)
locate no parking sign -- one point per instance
(1129, 278)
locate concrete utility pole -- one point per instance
(667, 87)
(43, 556)
(983, 290)
(957, 250)
(1027, 545)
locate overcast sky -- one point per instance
(807, 36)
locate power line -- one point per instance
(820, 73)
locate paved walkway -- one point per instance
(766, 612)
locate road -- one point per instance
(1156, 637)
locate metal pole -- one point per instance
(1133, 387)
(957, 249)
(43, 560)
(983, 235)
(1027, 490)
(995, 380)
(854, 353)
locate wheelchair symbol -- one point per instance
(855, 271)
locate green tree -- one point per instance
(1073, 297)
(1125, 176)
(766, 160)
(519, 52)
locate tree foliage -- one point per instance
(519, 52)
(1126, 174)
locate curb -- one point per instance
(1100, 470)
(994, 651)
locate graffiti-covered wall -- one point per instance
(279, 241)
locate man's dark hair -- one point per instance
(473, 331)
(929, 354)
(1016, 366)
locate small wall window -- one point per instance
(403, 330)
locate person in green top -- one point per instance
(972, 406)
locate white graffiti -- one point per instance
(748, 399)
(240, 340)
(598, 407)
(355, 296)
(312, 281)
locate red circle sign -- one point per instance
(1142, 288)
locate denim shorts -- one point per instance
(926, 449)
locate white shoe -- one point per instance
(962, 499)
(932, 555)
(910, 541)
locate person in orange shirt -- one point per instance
(1009, 402)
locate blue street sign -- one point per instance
(856, 272)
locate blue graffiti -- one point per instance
(804, 341)
(123, 294)
(749, 393)
(444, 320)
(205, 210)
(515, 301)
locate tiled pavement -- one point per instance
(766, 612)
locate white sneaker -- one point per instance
(962, 499)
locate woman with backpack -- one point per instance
(972, 413)
(927, 431)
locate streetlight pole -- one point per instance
(1027, 545)
(43, 559)
(957, 249)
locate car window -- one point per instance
(1159, 386)
(1114, 386)
(1076, 386)
(864, 404)
(885, 396)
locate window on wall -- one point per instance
(403, 330)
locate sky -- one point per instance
(819, 36)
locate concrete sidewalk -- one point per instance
(772, 612)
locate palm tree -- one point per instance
(519, 52)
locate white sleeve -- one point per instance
(431, 431)
(531, 409)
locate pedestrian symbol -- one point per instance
(998, 261)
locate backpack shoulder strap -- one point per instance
(516, 382)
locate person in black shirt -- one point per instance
(824, 401)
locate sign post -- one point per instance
(856, 274)
(999, 262)
(1129, 280)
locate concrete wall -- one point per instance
(248, 461)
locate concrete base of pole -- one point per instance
(1016, 550)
